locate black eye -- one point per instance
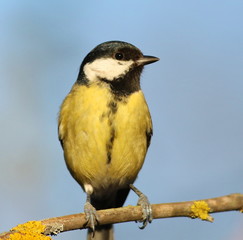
(119, 56)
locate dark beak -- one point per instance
(147, 60)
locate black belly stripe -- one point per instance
(110, 145)
(112, 106)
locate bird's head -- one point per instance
(116, 63)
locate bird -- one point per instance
(105, 128)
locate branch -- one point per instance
(192, 209)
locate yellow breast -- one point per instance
(104, 138)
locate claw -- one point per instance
(147, 210)
(90, 212)
(145, 205)
(91, 216)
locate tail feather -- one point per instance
(106, 201)
(104, 232)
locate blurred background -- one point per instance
(195, 94)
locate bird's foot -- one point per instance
(144, 203)
(146, 209)
(91, 216)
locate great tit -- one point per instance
(105, 129)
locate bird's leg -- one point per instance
(145, 205)
(90, 212)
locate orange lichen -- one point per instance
(31, 230)
(200, 210)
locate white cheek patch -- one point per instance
(106, 68)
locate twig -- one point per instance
(192, 209)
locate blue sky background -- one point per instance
(195, 94)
